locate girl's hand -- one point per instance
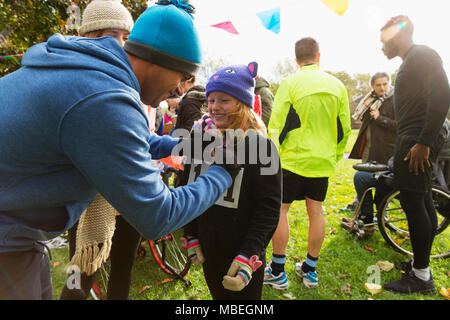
(194, 250)
(240, 272)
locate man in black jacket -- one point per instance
(191, 107)
(375, 141)
(421, 103)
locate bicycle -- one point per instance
(391, 219)
(168, 254)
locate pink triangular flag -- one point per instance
(227, 26)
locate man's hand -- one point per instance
(374, 114)
(417, 156)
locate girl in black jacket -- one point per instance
(231, 237)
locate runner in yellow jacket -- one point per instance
(310, 124)
(320, 102)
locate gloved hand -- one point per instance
(194, 250)
(240, 272)
(198, 145)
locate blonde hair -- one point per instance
(245, 118)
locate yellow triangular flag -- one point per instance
(338, 6)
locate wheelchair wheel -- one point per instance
(170, 255)
(393, 224)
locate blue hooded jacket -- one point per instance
(72, 126)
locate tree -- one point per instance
(25, 23)
(282, 69)
(211, 63)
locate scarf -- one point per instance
(370, 101)
(94, 236)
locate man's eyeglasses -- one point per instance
(187, 77)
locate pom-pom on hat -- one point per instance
(165, 35)
(105, 14)
(237, 81)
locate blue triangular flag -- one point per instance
(271, 19)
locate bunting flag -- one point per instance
(270, 19)
(227, 26)
(337, 6)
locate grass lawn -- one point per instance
(342, 267)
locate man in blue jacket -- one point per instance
(72, 126)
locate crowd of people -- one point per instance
(79, 156)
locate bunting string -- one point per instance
(270, 19)
(11, 57)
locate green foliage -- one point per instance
(357, 84)
(24, 23)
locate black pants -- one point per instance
(252, 291)
(25, 275)
(123, 253)
(422, 223)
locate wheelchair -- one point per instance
(391, 220)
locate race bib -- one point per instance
(230, 198)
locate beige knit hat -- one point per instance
(105, 14)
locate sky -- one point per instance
(350, 42)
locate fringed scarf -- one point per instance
(94, 236)
(370, 101)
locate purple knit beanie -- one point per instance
(237, 81)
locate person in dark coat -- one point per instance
(191, 107)
(262, 89)
(231, 239)
(422, 100)
(376, 137)
(375, 141)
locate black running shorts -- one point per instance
(296, 187)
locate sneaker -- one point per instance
(351, 207)
(348, 220)
(56, 243)
(310, 278)
(279, 282)
(351, 225)
(411, 284)
(358, 227)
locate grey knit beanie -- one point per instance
(105, 14)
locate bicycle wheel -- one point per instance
(169, 254)
(99, 289)
(100, 286)
(393, 224)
